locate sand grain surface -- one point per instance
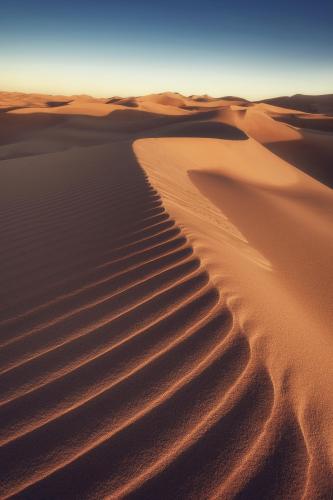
(166, 291)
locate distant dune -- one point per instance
(15, 100)
(167, 284)
(306, 103)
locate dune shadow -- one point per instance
(129, 102)
(311, 160)
(17, 127)
(322, 123)
(305, 103)
(127, 123)
(10, 108)
(204, 129)
(57, 104)
(279, 239)
(201, 124)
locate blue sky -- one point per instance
(131, 47)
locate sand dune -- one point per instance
(306, 103)
(166, 299)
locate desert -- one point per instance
(166, 290)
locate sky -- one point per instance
(253, 49)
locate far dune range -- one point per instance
(166, 300)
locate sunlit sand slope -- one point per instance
(166, 295)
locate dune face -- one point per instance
(306, 103)
(166, 319)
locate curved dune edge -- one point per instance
(181, 383)
(164, 330)
(175, 374)
(120, 353)
(226, 209)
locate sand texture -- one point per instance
(166, 297)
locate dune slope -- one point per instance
(166, 302)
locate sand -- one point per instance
(166, 320)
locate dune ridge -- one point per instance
(158, 337)
(140, 289)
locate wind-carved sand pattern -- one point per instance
(165, 300)
(123, 372)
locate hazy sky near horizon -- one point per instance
(130, 47)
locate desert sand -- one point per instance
(166, 290)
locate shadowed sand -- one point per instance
(166, 299)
